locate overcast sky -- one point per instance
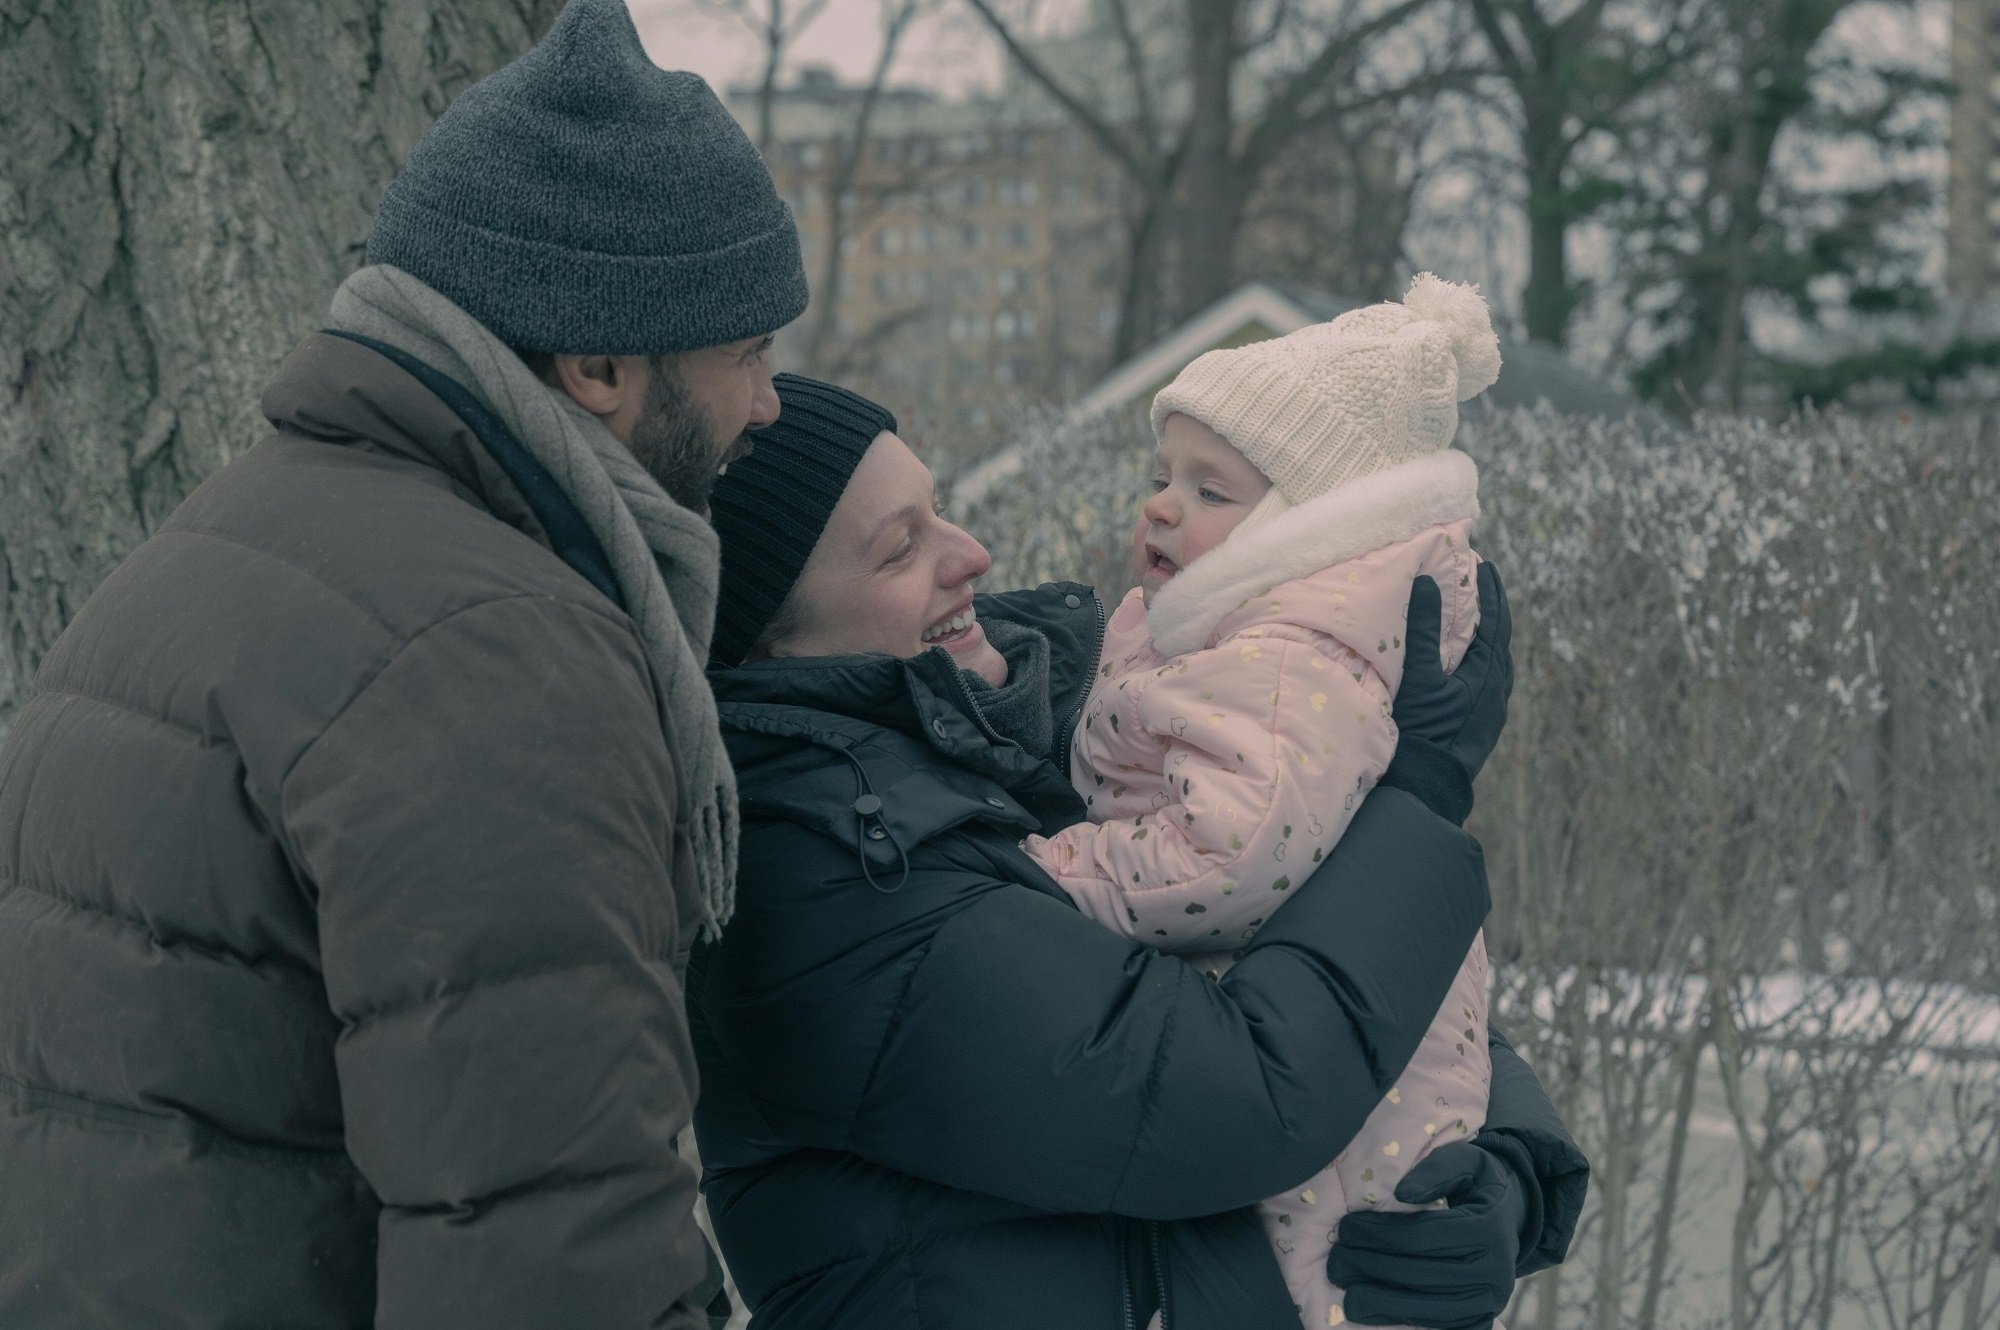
(946, 52)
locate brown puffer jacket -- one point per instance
(342, 920)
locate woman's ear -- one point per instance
(777, 634)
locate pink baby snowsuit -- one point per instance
(1232, 731)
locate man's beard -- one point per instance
(676, 442)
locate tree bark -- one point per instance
(1211, 200)
(182, 185)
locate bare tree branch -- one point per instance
(1343, 50)
(1135, 64)
(1116, 144)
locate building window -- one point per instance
(1003, 326)
(889, 240)
(969, 237)
(885, 286)
(1020, 235)
(809, 156)
(917, 283)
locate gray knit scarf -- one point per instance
(1019, 709)
(665, 559)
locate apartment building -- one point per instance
(979, 248)
(968, 262)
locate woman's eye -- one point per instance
(903, 551)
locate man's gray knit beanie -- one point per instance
(584, 200)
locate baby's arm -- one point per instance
(1267, 741)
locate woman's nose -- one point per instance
(969, 559)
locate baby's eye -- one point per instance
(1210, 496)
(1159, 483)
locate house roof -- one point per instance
(1530, 372)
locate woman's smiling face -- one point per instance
(890, 574)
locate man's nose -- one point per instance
(763, 401)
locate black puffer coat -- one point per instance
(935, 1095)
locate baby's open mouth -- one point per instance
(1159, 563)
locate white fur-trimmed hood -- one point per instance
(1339, 525)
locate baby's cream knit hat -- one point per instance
(1329, 403)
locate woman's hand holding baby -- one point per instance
(1450, 1268)
(1448, 724)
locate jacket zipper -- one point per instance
(972, 705)
(1159, 1273)
(1068, 730)
(1125, 1274)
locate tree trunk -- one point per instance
(1139, 292)
(1548, 299)
(182, 185)
(1210, 202)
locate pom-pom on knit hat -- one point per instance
(581, 199)
(1330, 403)
(770, 507)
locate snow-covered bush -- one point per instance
(1750, 785)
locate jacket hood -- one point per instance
(1339, 525)
(919, 759)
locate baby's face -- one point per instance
(1202, 490)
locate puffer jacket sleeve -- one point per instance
(1520, 1108)
(487, 826)
(987, 1036)
(1268, 743)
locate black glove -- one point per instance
(1447, 724)
(1445, 1269)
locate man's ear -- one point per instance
(594, 382)
(612, 388)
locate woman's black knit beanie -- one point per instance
(770, 507)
